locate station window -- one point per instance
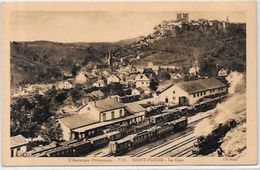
(173, 92)
(104, 116)
(204, 93)
(120, 113)
(198, 94)
(112, 115)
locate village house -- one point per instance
(95, 95)
(19, 145)
(141, 80)
(113, 79)
(130, 79)
(193, 71)
(222, 72)
(66, 110)
(66, 85)
(99, 83)
(188, 93)
(81, 77)
(137, 91)
(94, 117)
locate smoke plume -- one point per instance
(233, 108)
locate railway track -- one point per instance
(183, 152)
(141, 153)
(170, 149)
(193, 123)
(156, 151)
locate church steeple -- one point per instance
(109, 61)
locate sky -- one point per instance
(96, 26)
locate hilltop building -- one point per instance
(183, 17)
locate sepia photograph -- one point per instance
(149, 86)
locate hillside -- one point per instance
(211, 47)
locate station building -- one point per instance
(190, 92)
(96, 116)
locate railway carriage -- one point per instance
(180, 124)
(81, 147)
(99, 141)
(121, 146)
(62, 151)
(183, 110)
(115, 135)
(165, 117)
(146, 136)
(164, 129)
(191, 111)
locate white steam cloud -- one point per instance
(233, 108)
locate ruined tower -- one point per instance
(183, 17)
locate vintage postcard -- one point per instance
(162, 83)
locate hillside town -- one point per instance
(121, 108)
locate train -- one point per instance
(130, 142)
(163, 122)
(73, 148)
(209, 143)
(165, 117)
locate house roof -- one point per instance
(107, 104)
(79, 120)
(141, 77)
(100, 81)
(134, 108)
(200, 85)
(114, 76)
(97, 93)
(140, 89)
(164, 85)
(18, 141)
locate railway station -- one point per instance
(121, 128)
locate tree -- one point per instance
(51, 131)
(21, 119)
(75, 69)
(153, 85)
(76, 93)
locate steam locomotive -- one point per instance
(207, 144)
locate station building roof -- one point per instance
(200, 85)
(18, 140)
(107, 104)
(79, 120)
(134, 108)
